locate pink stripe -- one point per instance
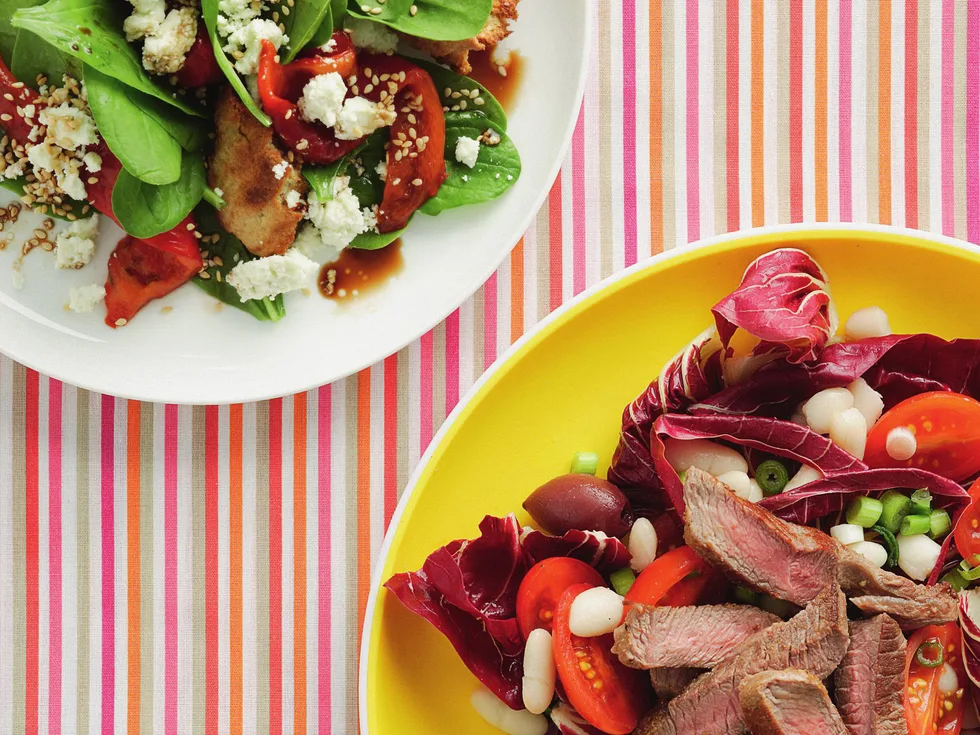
(108, 565)
(452, 361)
(973, 123)
(947, 115)
(844, 107)
(323, 556)
(629, 133)
(693, 179)
(425, 386)
(54, 556)
(489, 321)
(578, 204)
(170, 569)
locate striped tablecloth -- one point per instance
(203, 570)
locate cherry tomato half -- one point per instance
(544, 584)
(947, 434)
(927, 709)
(656, 584)
(609, 695)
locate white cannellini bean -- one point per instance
(871, 321)
(917, 555)
(900, 443)
(823, 406)
(538, 685)
(755, 492)
(875, 553)
(948, 681)
(849, 431)
(739, 482)
(642, 544)
(847, 533)
(712, 457)
(867, 400)
(806, 474)
(502, 717)
(595, 612)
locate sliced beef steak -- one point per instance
(814, 640)
(668, 683)
(870, 680)
(788, 702)
(700, 637)
(794, 562)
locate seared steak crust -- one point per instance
(870, 680)
(788, 702)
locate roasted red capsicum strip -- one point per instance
(200, 67)
(139, 270)
(280, 87)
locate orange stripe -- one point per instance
(299, 562)
(820, 113)
(885, 112)
(133, 560)
(363, 492)
(517, 291)
(235, 566)
(758, 108)
(656, 130)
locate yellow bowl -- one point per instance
(563, 388)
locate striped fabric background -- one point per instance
(204, 570)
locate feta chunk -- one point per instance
(70, 182)
(293, 198)
(359, 117)
(83, 299)
(68, 127)
(280, 169)
(248, 39)
(14, 170)
(323, 97)
(76, 245)
(339, 220)
(467, 151)
(92, 161)
(374, 37)
(165, 49)
(146, 18)
(382, 169)
(268, 277)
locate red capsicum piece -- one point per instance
(139, 270)
(280, 87)
(200, 67)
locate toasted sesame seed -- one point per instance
(416, 182)
(368, 88)
(479, 100)
(289, 113)
(190, 227)
(447, 92)
(456, 95)
(6, 118)
(205, 275)
(9, 97)
(376, 11)
(368, 73)
(413, 10)
(365, 8)
(462, 104)
(120, 322)
(285, 10)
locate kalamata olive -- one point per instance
(584, 502)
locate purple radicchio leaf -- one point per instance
(569, 722)
(780, 438)
(830, 494)
(605, 553)
(784, 301)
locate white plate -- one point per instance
(195, 354)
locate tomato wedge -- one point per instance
(543, 585)
(665, 582)
(947, 433)
(610, 696)
(927, 708)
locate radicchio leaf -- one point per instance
(605, 553)
(830, 494)
(784, 301)
(570, 722)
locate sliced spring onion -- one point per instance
(890, 543)
(746, 596)
(969, 573)
(772, 476)
(939, 523)
(864, 512)
(921, 502)
(894, 507)
(585, 463)
(956, 580)
(913, 524)
(622, 580)
(930, 654)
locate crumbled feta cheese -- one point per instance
(248, 40)
(165, 49)
(374, 37)
(252, 85)
(92, 161)
(280, 169)
(147, 17)
(45, 156)
(17, 279)
(70, 182)
(14, 170)
(370, 215)
(293, 198)
(76, 245)
(329, 47)
(68, 126)
(309, 242)
(382, 169)
(268, 277)
(339, 220)
(83, 299)
(467, 151)
(360, 116)
(323, 97)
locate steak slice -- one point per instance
(814, 640)
(668, 683)
(870, 680)
(789, 702)
(699, 637)
(794, 563)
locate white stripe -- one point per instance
(770, 116)
(95, 563)
(591, 175)
(43, 554)
(642, 171)
(224, 570)
(935, 183)
(415, 400)
(159, 567)
(898, 114)
(250, 591)
(680, 125)
(6, 541)
(531, 277)
(120, 568)
(69, 556)
(185, 570)
(613, 66)
(833, 111)
(312, 559)
(466, 369)
(567, 233)
(745, 51)
(706, 116)
(502, 340)
(288, 567)
(809, 110)
(338, 558)
(859, 111)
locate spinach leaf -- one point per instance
(360, 165)
(28, 55)
(17, 187)
(375, 240)
(438, 20)
(303, 23)
(91, 31)
(209, 10)
(229, 251)
(448, 79)
(145, 210)
(496, 170)
(338, 9)
(321, 178)
(325, 30)
(142, 145)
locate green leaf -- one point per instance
(496, 170)
(145, 210)
(322, 34)
(91, 31)
(438, 20)
(17, 187)
(321, 178)
(140, 142)
(360, 165)
(448, 79)
(26, 54)
(375, 240)
(303, 23)
(338, 9)
(230, 251)
(209, 10)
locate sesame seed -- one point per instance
(166, 309)
(447, 92)
(413, 10)
(190, 226)
(368, 73)
(303, 145)
(205, 275)
(9, 97)
(365, 8)
(479, 100)
(285, 10)
(462, 104)
(376, 11)
(368, 88)
(398, 155)
(6, 118)
(289, 113)
(120, 322)
(456, 95)
(416, 182)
